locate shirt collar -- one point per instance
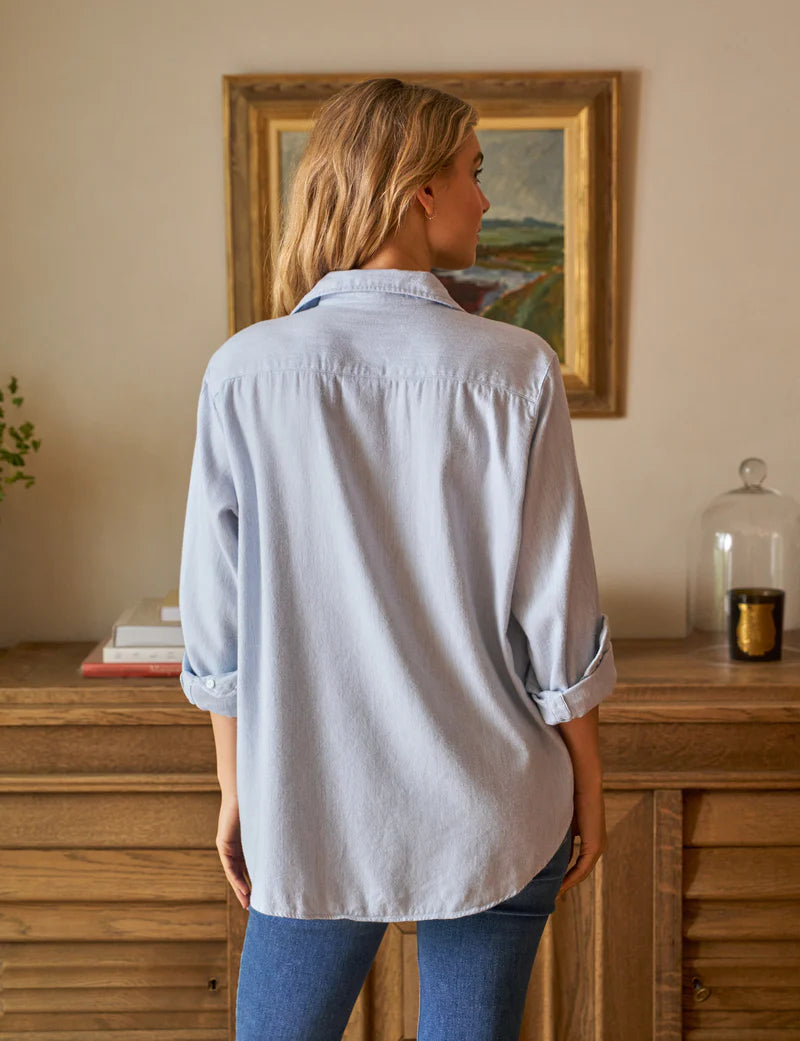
(423, 284)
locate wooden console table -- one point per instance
(117, 922)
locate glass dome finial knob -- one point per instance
(753, 471)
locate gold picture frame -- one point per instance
(552, 138)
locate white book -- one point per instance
(140, 625)
(170, 608)
(131, 654)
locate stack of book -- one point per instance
(146, 640)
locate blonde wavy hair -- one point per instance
(373, 144)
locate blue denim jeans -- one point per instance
(299, 978)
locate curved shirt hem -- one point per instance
(413, 916)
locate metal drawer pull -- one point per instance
(701, 991)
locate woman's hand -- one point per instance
(229, 847)
(588, 822)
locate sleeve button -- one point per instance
(209, 683)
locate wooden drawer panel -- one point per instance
(144, 819)
(731, 873)
(109, 749)
(139, 874)
(162, 998)
(104, 1034)
(104, 965)
(48, 988)
(699, 748)
(741, 975)
(741, 818)
(741, 920)
(114, 964)
(105, 921)
(743, 952)
(741, 1026)
(135, 1034)
(741, 989)
(124, 1026)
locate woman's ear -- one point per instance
(425, 198)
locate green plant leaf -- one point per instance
(14, 457)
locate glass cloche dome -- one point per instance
(748, 536)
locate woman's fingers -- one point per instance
(229, 847)
(580, 870)
(589, 827)
(234, 867)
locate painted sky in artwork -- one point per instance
(523, 174)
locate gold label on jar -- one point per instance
(755, 631)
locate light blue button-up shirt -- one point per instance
(387, 575)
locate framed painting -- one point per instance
(547, 258)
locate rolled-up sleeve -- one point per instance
(208, 572)
(555, 596)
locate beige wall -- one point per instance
(113, 265)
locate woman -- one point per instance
(388, 597)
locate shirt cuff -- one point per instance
(215, 692)
(559, 706)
